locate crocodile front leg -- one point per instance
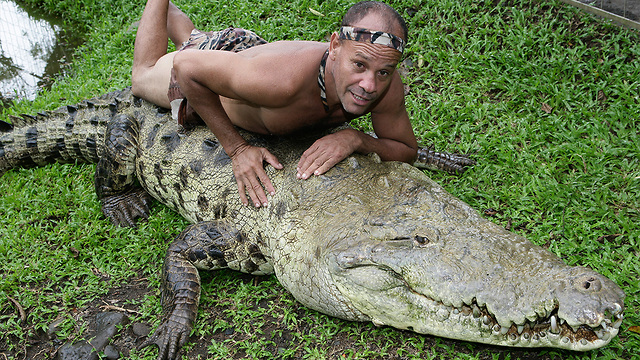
(207, 246)
(433, 160)
(122, 201)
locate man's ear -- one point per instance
(334, 45)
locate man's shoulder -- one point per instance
(298, 44)
(295, 64)
(299, 50)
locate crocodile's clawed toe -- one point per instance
(169, 337)
(124, 209)
(455, 164)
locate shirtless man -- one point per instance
(277, 88)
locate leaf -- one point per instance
(635, 329)
(601, 96)
(607, 237)
(316, 12)
(546, 108)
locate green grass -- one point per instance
(546, 98)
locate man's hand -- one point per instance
(326, 152)
(248, 168)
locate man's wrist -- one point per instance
(237, 149)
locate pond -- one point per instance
(34, 48)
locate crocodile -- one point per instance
(367, 241)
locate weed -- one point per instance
(546, 98)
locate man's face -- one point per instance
(362, 73)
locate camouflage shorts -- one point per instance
(229, 39)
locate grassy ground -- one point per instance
(547, 99)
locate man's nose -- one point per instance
(368, 82)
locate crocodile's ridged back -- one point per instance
(68, 134)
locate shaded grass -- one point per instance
(546, 98)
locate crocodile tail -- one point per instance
(73, 133)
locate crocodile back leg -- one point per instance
(123, 201)
(207, 245)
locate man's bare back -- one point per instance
(281, 87)
(294, 101)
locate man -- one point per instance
(280, 88)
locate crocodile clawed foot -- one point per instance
(455, 164)
(124, 209)
(169, 337)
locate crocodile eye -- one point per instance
(421, 240)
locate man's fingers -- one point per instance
(260, 198)
(307, 164)
(248, 168)
(243, 195)
(253, 186)
(324, 167)
(302, 164)
(264, 179)
(253, 189)
(273, 160)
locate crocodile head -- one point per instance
(433, 265)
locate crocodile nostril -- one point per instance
(590, 283)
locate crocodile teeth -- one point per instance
(554, 325)
(476, 311)
(575, 328)
(504, 330)
(520, 329)
(617, 323)
(617, 309)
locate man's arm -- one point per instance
(203, 76)
(395, 138)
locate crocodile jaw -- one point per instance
(386, 299)
(404, 284)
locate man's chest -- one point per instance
(282, 120)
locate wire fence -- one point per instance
(26, 45)
(622, 12)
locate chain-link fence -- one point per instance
(26, 48)
(623, 12)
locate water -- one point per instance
(33, 49)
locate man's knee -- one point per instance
(152, 82)
(143, 85)
(137, 82)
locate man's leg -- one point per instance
(151, 64)
(179, 25)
